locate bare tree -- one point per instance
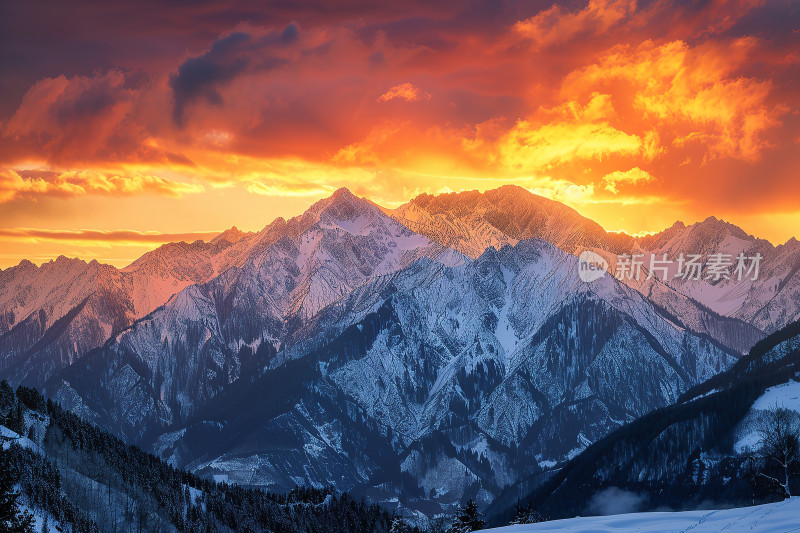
(780, 448)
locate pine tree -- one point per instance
(11, 519)
(526, 515)
(467, 519)
(6, 400)
(398, 526)
(16, 421)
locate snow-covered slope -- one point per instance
(784, 396)
(779, 517)
(52, 315)
(472, 221)
(768, 303)
(342, 347)
(159, 274)
(523, 315)
(56, 312)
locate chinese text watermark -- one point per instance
(688, 267)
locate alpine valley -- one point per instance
(417, 357)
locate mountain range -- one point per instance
(701, 449)
(418, 356)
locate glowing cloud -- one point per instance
(15, 184)
(97, 236)
(556, 25)
(630, 177)
(278, 190)
(574, 132)
(694, 89)
(404, 91)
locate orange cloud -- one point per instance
(72, 118)
(404, 91)
(693, 88)
(305, 190)
(16, 184)
(630, 177)
(572, 102)
(573, 132)
(557, 25)
(96, 236)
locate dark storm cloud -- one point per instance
(49, 38)
(443, 29)
(200, 76)
(229, 57)
(776, 22)
(290, 35)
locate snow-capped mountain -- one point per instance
(415, 369)
(54, 314)
(57, 311)
(171, 267)
(198, 341)
(769, 302)
(63, 309)
(441, 350)
(472, 221)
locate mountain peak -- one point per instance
(62, 261)
(232, 235)
(471, 221)
(343, 193)
(720, 227)
(511, 188)
(342, 203)
(342, 208)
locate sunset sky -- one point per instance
(124, 125)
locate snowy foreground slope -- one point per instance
(780, 517)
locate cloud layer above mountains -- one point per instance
(136, 115)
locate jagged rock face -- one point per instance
(702, 446)
(56, 313)
(472, 221)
